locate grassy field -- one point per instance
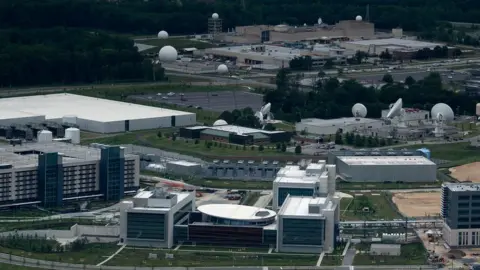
(5, 266)
(455, 152)
(184, 146)
(92, 254)
(222, 248)
(27, 213)
(178, 43)
(385, 186)
(57, 224)
(140, 258)
(411, 254)
(331, 260)
(378, 205)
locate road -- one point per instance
(401, 75)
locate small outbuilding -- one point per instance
(386, 249)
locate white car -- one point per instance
(171, 94)
(164, 97)
(159, 94)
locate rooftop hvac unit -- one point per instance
(45, 136)
(73, 134)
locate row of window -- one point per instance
(463, 238)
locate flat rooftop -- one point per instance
(243, 130)
(237, 212)
(345, 121)
(56, 106)
(463, 187)
(385, 160)
(396, 42)
(70, 153)
(270, 51)
(183, 163)
(299, 206)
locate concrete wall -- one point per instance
(23, 120)
(330, 130)
(387, 173)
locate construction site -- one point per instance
(418, 204)
(467, 172)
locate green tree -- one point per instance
(387, 78)
(261, 148)
(338, 138)
(359, 142)
(298, 149)
(284, 148)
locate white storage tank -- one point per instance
(478, 109)
(69, 119)
(73, 134)
(45, 136)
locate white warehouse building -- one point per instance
(90, 114)
(331, 126)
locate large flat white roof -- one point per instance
(337, 121)
(385, 160)
(56, 106)
(237, 212)
(243, 130)
(396, 42)
(299, 206)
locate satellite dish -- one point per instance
(304, 24)
(215, 16)
(359, 110)
(220, 122)
(443, 111)
(167, 54)
(395, 109)
(441, 114)
(265, 110)
(319, 21)
(264, 115)
(358, 18)
(222, 68)
(162, 34)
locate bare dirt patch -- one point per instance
(467, 172)
(418, 204)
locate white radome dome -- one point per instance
(359, 110)
(319, 21)
(168, 54)
(222, 68)
(443, 109)
(162, 34)
(220, 122)
(358, 18)
(215, 16)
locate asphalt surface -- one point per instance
(401, 75)
(348, 258)
(212, 101)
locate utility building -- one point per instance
(386, 169)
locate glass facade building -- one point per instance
(112, 173)
(50, 179)
(283, 192)
(303, 231)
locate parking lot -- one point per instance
(213, 101)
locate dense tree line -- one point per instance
(40, 244)
(189, 16)
(331, 98)
(244, 117)
(65, 56)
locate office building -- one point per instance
(52, 174)
(90, 113)
(461, 214)
(394, 169)
(235, 134)
(332, 126)
(315, 178)
(308, 224)
(149, 218)
(377, 46)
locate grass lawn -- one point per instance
(385, 186)
(458, 153)
(184, 146)
(411, 254)
(344, 203)
(21, 213)
(331, 260)
(251, 198)
(222, 248)
(231, 184)
(139, 258)
(5, 266)
(57, 224)
(379, 205)
(178, 43)
(92, 254)
(182, 79)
